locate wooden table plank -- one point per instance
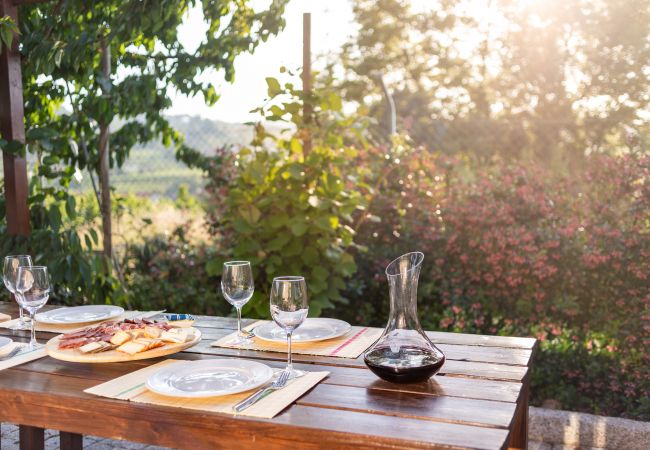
(459, 352)
(451, 367)
(403, 404)
(439, 385)
(55, 401)
(438, 337)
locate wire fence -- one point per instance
(153, 170)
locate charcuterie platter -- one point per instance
(127, 340)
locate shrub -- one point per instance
(285, 210)
(167, 272)
(514, 249)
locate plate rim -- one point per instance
(3, 347)
(296, 341)
(118, 311)
(180, 394)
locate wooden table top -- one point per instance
(471, 403)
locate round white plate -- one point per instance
(209, 378)
(311, 330)
(5, 343)
(79, 314)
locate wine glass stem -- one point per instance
(289, 361)
(32, 341)
(239, 333)
(22, 315)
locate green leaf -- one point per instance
(319, 273)
(273, 86)
(280, 241)
(70, 207)
(251, 214)
(298, 228)
(214, 267)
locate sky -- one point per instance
(332, 24)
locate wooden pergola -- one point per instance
(12, 127)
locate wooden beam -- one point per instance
(306, 80)
(12, 128)
(29, 2)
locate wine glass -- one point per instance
(237, 287)
(32, 292)
(9, 275)
(289, 310)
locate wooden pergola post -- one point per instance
(12, 128)
(306, 80)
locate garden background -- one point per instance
(520, 167)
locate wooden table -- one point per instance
(479, 400)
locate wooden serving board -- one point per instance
(74, 355)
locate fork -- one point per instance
(277, 384)
(11, 354)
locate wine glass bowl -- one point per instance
(32, 293)
(237, 286)
(289, 308)
(9, 275)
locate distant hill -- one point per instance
(152, 169)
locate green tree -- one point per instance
(548, 80)
(68, 96)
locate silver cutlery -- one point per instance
(277, 384)
(11, 354)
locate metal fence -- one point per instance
(153, 171)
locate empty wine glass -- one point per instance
(32, 292)
(289, 309)
(9, 274)
(237, 287)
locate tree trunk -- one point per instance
(104, 180)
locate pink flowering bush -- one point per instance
(517, 249)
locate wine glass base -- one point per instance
(241, 341)
(25, 326)
(293, 373)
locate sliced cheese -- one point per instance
(120, 338)
(132, 347)
(91, 347)
(177, 335)
(152, 332)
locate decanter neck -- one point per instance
(403, 299)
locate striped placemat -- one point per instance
(351, 345)
(24, 356)
(132, 387)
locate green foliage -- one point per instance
(61, 48)
(287, 211)
(185, 200)
(65, 240)
(167, 272)
(550, 80)
(7, 30)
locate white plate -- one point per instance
(209, 378)
(79, 314)
(311, 330)
(5, 343)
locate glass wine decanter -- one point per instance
(404, 353)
